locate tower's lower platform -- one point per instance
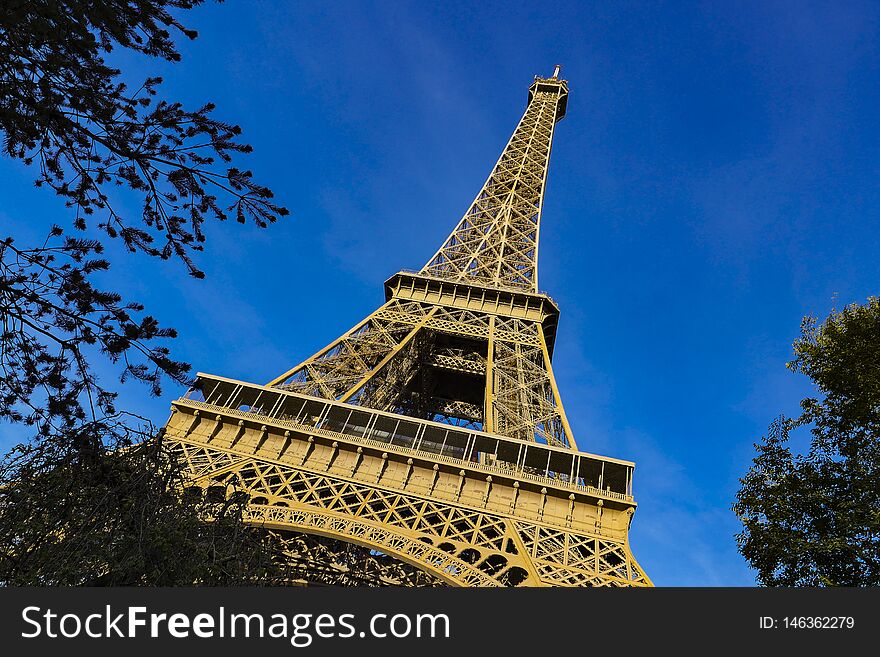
(362, 496)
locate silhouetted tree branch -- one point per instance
(64, 110)
(91, 495)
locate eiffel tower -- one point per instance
(428, 445)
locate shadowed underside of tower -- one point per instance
(428, 445)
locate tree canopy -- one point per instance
(74, 118)
(132, 166)
(120, 518)
(814, 519)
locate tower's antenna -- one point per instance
(557, 70)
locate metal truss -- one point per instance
(309, 559)
(496, 242)
(356, 511)
(390, 362)
(428, 445)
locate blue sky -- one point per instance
(714, 181)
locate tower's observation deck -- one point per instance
(552, 85)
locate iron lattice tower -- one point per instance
(428, 445)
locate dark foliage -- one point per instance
(52, 316)
(120, 518)
(63, 109)
(814, 519)
(87, 498)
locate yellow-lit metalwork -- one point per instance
(428, 445)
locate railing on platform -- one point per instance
(490, 453)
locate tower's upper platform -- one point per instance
(553, 85)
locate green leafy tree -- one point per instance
(814, 519)
(75, 496)
(121, 518)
